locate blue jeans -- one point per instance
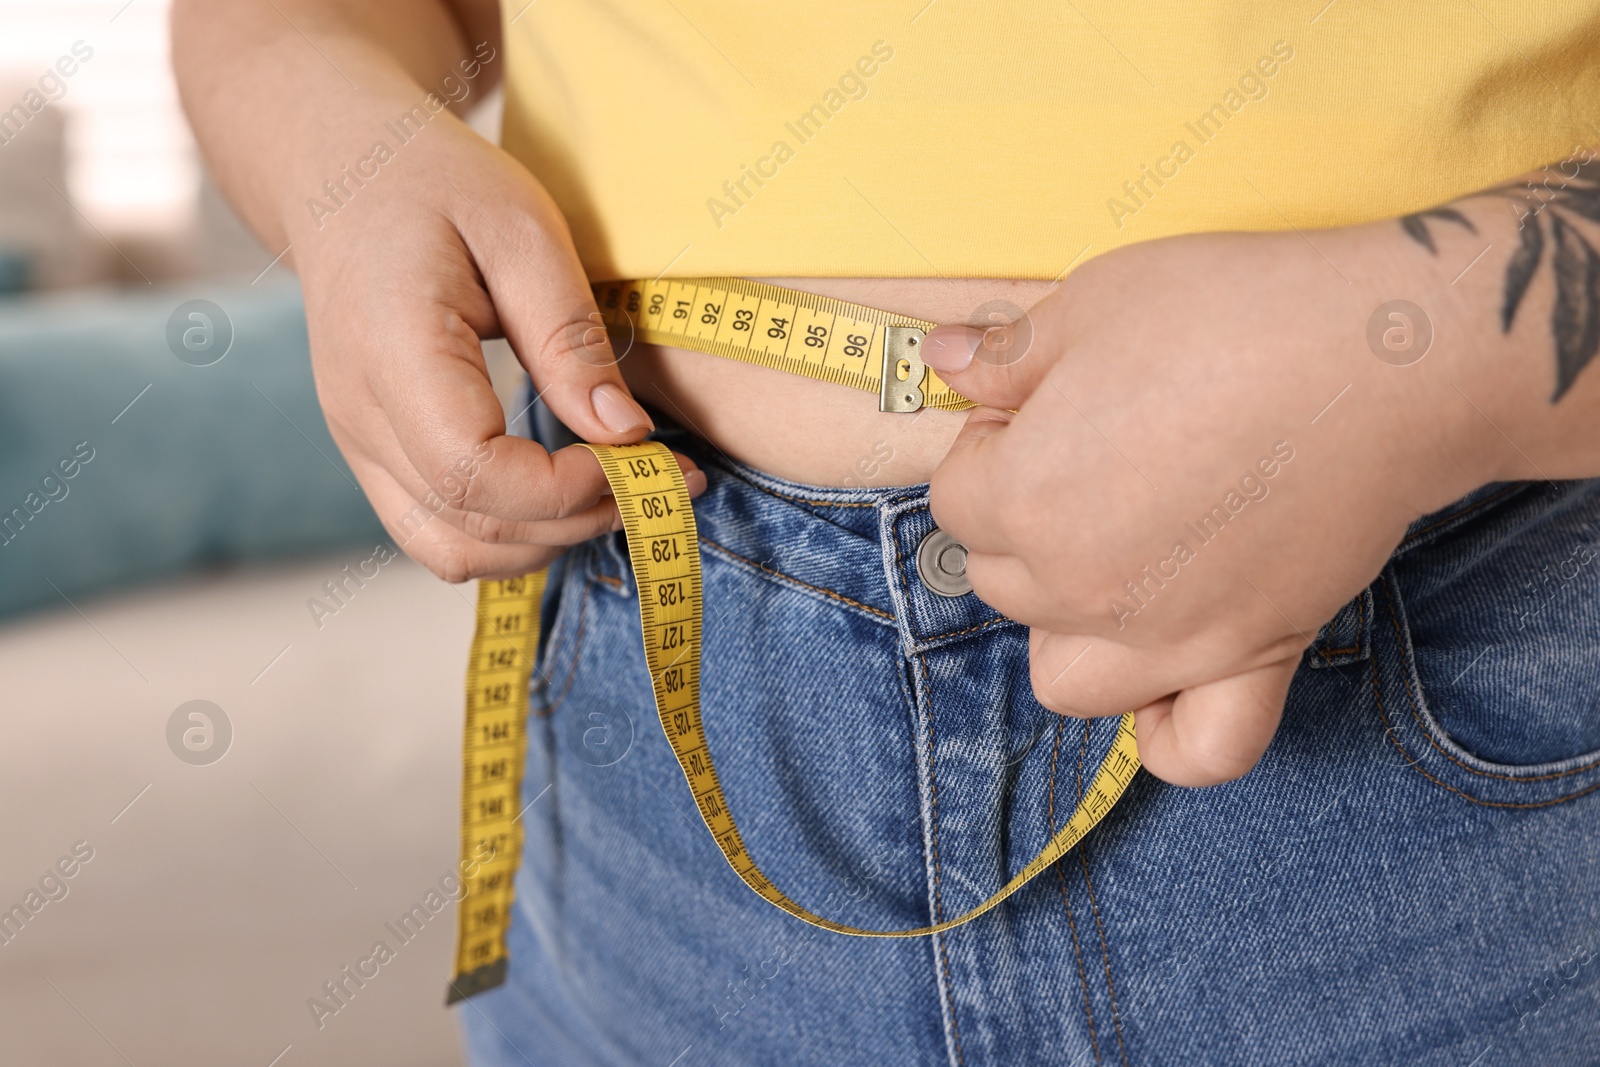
(1410, 876)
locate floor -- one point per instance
(221, 895)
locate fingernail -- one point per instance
(950, 348)
(695, 482)
(617, 411)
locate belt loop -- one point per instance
(1347, 638)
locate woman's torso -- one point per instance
(946, 162)
(813, 431)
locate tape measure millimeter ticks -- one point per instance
(831, 340)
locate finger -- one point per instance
(413, 512)
(986, 365)
(1216, 732)
(436, 399)
(440, 547)
(962, 491)
(568, 527)
(1007, 585)
(547, 311)
(1091, 677)
(509, 489)
(450, 452)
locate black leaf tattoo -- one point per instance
(1584, 204)
(1417, 226)
(1575, 316)
(1419, 232)
(1519, 272)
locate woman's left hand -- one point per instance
(1206, 461)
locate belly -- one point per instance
(818, 432)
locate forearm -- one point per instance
(1517, 327)
(284, 93)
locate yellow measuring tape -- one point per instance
(664, 548)
(752, 322)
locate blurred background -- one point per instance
(169, 504)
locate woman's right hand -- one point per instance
(449, 242)
(426, 247)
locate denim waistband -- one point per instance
(858, 545)
(855, 544)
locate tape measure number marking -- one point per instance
(752, 322)
(494, 747)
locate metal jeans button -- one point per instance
(942, 564)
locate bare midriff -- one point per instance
(818, 432)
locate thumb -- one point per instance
(1216, 732)
(960, 491)
(998, 366)
(575, 371)
(548, 313)
(982, 423)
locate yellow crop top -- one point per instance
(961, 139)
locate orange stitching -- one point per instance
(1417, 715)
(1388, 731)
(899, 558)
(1361, 619)
(801, 499)
(1083, 854)
(938, 896)
(1361, 629)
(572, 664)
(1083, 976)
(1105, 952)
(1083, 751)
(818, 503)
(899, 569)
(1464, 511)
(968, 630)
(791, 578)
(615, 583)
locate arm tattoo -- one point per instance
(1546, 222)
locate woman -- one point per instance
(1279, 457)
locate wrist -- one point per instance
(1434, 354)
(393, 147)
(278, 120)
(1502, 281)
(1493, 380)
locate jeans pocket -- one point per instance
(1486, 650)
